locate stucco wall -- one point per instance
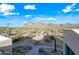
(71, 38)
(5, 41)
(5, 45)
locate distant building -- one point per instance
(71, 42)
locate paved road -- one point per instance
(35, 48)
(34, 51)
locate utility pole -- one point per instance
(8, 30)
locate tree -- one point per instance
(54, 39)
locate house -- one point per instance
(71, 42)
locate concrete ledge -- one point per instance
(5, 41)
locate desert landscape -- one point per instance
(37, 38)
(37, 28)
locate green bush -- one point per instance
(47, 40)
(17, 39)
(41, 50)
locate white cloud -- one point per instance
(27, 16)
(30, 7)
(7, 9)
(43, 18)
(77, 10)
(10, 13)
(25, 22)
(51, 18)
(69, 8)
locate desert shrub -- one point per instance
(41, 50)
(29, 47)
(47, 40)
(17, 39)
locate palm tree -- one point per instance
(55, 44)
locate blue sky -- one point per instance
(16, 14)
